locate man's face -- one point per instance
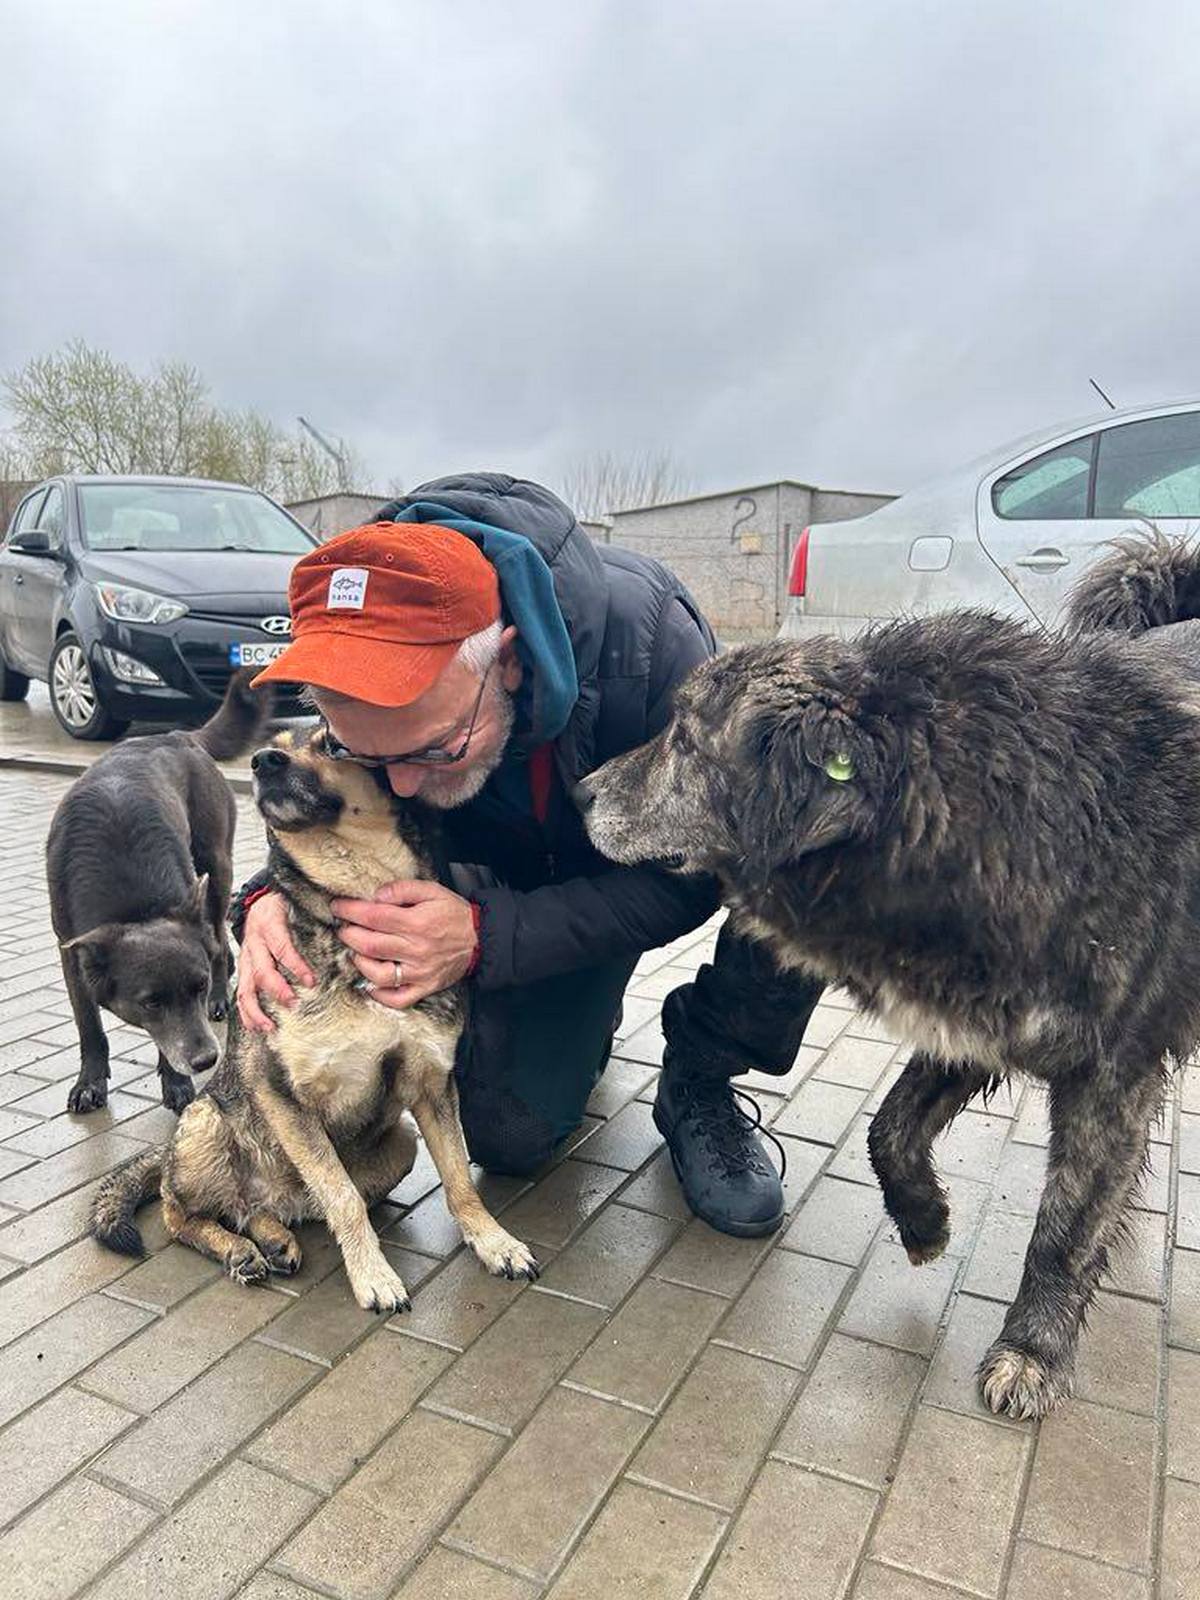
(439, 719)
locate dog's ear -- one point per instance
(95, 949)
(836, 743)
(821, 778)
(195, 903)
(96, 940)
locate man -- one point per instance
(475, 647)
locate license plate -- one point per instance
(254, 655)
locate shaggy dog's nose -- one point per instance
(268, 760)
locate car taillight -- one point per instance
(799, 577)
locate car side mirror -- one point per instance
(32, 542)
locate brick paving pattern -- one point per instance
(667, 1413)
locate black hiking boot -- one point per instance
(712, 1132)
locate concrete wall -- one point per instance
(334, 513)
(734, 550)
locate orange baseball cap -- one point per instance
(378, 612)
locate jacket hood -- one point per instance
(553, 588)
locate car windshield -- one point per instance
(150, 516)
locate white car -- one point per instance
(1011, 532)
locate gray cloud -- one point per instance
(849, 243)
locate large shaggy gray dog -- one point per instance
(991, 837)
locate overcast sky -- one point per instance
(852, 242)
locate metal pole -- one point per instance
(339, 456)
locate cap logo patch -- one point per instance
(347, 589)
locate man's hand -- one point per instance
(426, 928)
(266, 946)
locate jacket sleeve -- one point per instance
(584, 921)
(621, 910)
(236, 916)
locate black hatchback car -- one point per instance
(134, 599)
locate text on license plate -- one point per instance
(254, 655)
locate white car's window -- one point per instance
(1150, 469)
(1050, 487)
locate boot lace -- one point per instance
(730, 1122)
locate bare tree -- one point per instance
(602, 482)
(14, 467)
(15, 477)
(82, 410)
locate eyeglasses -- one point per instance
(433, 757)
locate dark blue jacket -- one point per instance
(633, 632)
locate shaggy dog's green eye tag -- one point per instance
(839, 768)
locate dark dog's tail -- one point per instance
(240, 720)
(118, 1198)
(1146, 582)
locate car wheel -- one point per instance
(73, 694)
(13, 685)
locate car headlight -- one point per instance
(123, 604)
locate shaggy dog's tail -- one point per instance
(1146, 582)
(118, 1198)
(239, 721)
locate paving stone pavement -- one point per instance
(668, 1413)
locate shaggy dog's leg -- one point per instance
(927, 1095)
(1099, 1128)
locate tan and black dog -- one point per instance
(311, 1121)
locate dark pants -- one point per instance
(740, 1014)
(531, 1056)
(529, 1059)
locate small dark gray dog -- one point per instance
(991, 837)
(139, 861)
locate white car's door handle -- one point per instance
(1044, 560)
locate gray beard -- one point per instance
(470, 785)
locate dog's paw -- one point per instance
(504, 1256)
(246, 1263)
(377, 1288)
(178, 1093)
(923, 1223)
(284, 1258)
(920, 1250)
(1016, 1384)
(88, 1095)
